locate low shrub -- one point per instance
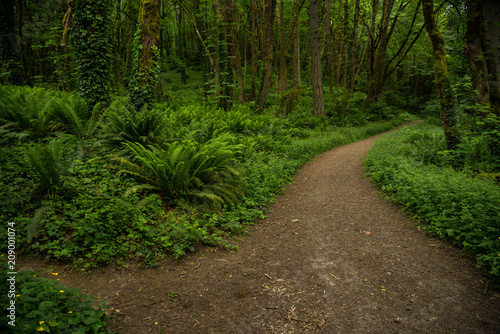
(44, 305)
(448, 204)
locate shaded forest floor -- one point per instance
(332, 257)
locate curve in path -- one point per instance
(332, 257)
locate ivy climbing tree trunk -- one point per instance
(316, 76)
(448, 109)
(91, 31)
(146, 67)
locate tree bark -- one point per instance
(447, 113)
(282, 76)
(329, 46)
(346, 45)
(354, 48)
(296, 45)
(254, 41)
(375, 84)
(269, 11)
(146, 66)
(337, 49)
(483, 65)
(239, 71)
(317, 78)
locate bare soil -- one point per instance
(333, 256)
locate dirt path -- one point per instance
(332, 257)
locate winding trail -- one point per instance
(332, 257)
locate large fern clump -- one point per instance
(34, 113)
(201, 174)
(146, 127)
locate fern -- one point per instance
(50, 163)
(187, 170)
(35, 222)
(145, 127)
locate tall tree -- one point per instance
(282, 76)
(9, 51)
(269, 14)
(146, 67)
(482, 60)
(91, 33)
(296, 44)
(448, 108)
(354, 48)
(317, 78)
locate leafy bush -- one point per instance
(448, 204)
(43, 305)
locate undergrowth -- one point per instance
(114, 185)
(43, 305)
(414, 168)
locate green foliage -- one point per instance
(182, 177)
(289, 100)
(91, 36)
(145, 126)
(50, 163)
(146, 57)
(27, 113)
(44, 305)
(448, 204)
(189, 170)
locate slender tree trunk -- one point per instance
(448, 116)
(296, 45)
(483, 65)
(20, 6)
(317, 78)
(9, 52)
(354, 48)
(282, 76)
(376, 78)
(269, 11)
(239, 71)
(254, 50)
(337, 49)
(346, 45)
(329, 46)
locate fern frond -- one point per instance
(35, 222)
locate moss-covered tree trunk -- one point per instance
(316, 76)
(91, 38)
(448, 108)
(354, 55)
(482, 59)
(146, 69)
